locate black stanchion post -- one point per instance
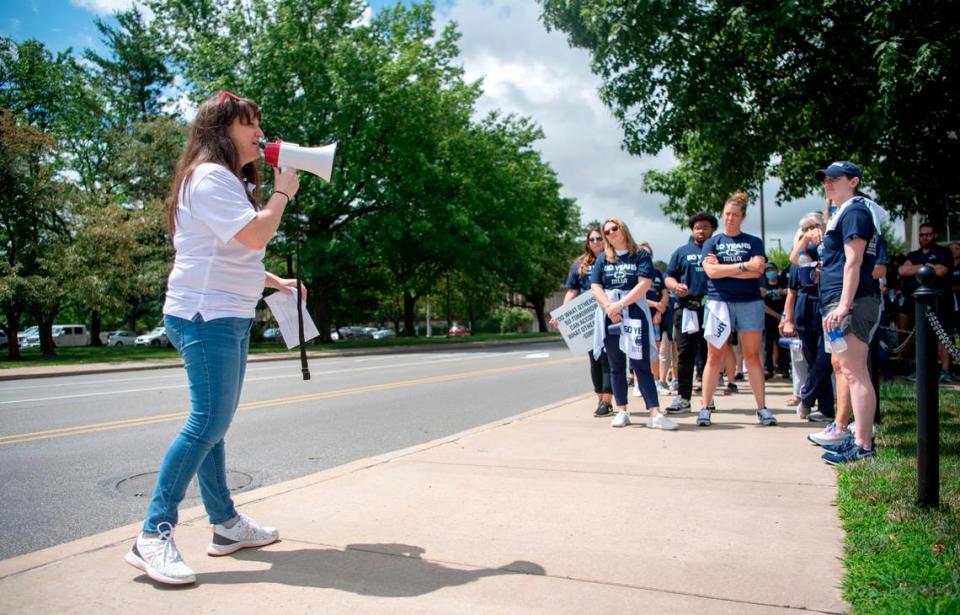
(928, 391)
(304, 368)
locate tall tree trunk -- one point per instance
(539, 301)
(45, 321)
(134, 304)
(409, 314)
(96, 320)
(318, 303)
(13, 325)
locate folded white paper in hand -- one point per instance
(284, 308)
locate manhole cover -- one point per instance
(141, 485)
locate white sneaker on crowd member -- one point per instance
(636, 390)
(621, 420)
(766, 418)
(831, 434)
(158, 556)
(678, 405)
(663, 388)
(242, 534)
(803, 412)
(662, 422)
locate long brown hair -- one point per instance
(632, 246)
(588, 258)
(209, 142)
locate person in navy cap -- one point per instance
(850, 299)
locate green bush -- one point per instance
(512, 319)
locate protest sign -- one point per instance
(576, 322)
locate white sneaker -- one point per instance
(663, 388)
(159, 558)
(636, 391)
(803, 412)
(244, 533)
(766, 418)
(621, 420)
(662, 422)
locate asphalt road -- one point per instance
(78, 453)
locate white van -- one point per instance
(70, 335)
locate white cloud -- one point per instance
(532, 72)
(103, 7)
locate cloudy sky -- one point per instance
(527, 71)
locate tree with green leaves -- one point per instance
(741, 91)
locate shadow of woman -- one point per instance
(388, 570)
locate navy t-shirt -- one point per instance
(730, 251)
(855, 222)
(685, 267)
(575, 281)
(624, 273)
(656, 288)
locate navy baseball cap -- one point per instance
(836, 169)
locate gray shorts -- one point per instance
(863, 318)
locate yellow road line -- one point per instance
(160, 418)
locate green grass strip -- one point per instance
(901, 558)
(89, 354)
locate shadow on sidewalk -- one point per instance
(388, 570)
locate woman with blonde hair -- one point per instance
(619, 281)
(802, 318)
(733, 261)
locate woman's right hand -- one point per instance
(814, 235)
(286, 181)
(787, 329)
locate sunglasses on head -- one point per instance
(612, 229)
(227, 95)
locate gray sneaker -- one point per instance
(766, 418)
(678, 405)
(818, 417)
(803, 412)
(244, 533)
(703, 418)
(159, 557)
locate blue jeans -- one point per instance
(618, 363)
(215, 357)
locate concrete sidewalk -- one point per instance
(552, 511)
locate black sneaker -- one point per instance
(603, 409)
(731, 389)
(739, 377)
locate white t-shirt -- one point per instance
(213, 273)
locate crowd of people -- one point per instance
(719, 309)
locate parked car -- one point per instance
(380, 334)
(3, 339)
(121, 338)
(457, 330)
(64, 336)
(28, 333)
(157, 337)
(272, 335)
(356, 333)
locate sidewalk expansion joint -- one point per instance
(630, 474)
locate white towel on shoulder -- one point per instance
(632, 351)
(879, 215)
(717, 326)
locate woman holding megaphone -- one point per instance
(220, 230)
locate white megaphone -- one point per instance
(316, 160)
